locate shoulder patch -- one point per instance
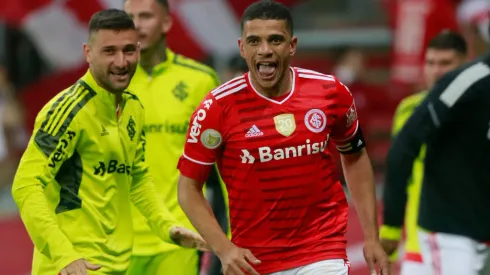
(63, 110)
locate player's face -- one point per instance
(151, 19)
(113, 56)
(267, 46)
(439, 62)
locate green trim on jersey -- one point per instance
(191, 64)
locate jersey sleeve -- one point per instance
(203, 141)
(441, 106)
(144, 196)
(51, 144)
(346, 132)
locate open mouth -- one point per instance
(267, 70)
(119, 75)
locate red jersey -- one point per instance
(286, 202)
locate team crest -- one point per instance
(130, 128)
(211, 139)
(351, 114)
(285, 124)
(315, 120)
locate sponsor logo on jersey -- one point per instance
(254, 132)
(211, 139)
(266, 153)
(131, 128)
(104, 132)
(196, 126)
(167, 127)
(285, 124)
(247, 157)
(351, 114)
(60, 151)
(315, 120)
(112, 167)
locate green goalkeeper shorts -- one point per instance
(177, 262)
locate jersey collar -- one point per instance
(102, 94)
(161, 67)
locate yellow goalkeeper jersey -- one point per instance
(402, 114)
(170, 94)
(75, 180)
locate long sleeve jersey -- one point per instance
(82, 167)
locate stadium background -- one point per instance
(374, 46)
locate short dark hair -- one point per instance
(164, 3)
(268, 10)
(449, 40)
(110, 19)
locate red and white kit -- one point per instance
(286, 202)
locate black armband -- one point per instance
(353, 145)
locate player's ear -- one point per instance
(292, 48)
(240, 46)
(167, 23)
(87, 52)
(138, 50)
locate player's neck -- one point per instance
(118, 94)
(283, 87)
(154, 56)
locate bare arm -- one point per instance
(360, 181)
(199, 212)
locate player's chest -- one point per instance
(113, 139)
(281, 126)
(168, 107)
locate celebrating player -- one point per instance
(445, 52)
(86, 161)
(170, 87)
(268, 132)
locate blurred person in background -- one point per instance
(13, 138)
(170, 87)
(453, 219)
(445, 52)
(349, 69)
(414, 23)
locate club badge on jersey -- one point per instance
(315, 120)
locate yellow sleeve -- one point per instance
(401, 116)
(48, 148)
(145, 198)
(399, 119)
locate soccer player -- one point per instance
(268, 131)
(453, 217)
(445, 52)
(170, 86)
(86, 161)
